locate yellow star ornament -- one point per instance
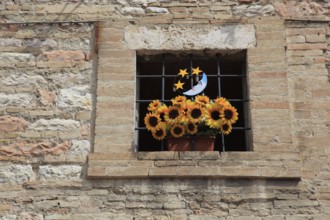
(196, 71)
(183, 72)
(178, 85)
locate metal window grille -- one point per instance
(227, 78)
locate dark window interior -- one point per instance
(226, 77)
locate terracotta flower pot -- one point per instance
(190, 143)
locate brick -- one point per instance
(296, 39)
(106, 146)
(7, 187)
(117, 54)
(116, 88)
(264, 52)
(304, 31)
(267, 74)
(109, 34)
(315, 38)
(163, 19)
(307, 46)
(295, 203)
(63, 55)
(263, 59)
(301, 53)
(123, 103)
(320, 93)
(115, 138)
(277, 66)
(269, 105)
(5, 208)
(272, 35)
(274, 27)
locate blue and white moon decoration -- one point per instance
(195, 89)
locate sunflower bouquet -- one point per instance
(186, 117)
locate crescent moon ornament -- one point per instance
(196, 89)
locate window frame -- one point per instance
(113, 155)
(164, 58)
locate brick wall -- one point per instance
(55, 110)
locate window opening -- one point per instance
(227, 78)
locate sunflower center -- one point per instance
(173, 114)
(196, 113)
(215, 115)
(191, 126)
(225, 127)
(177, 130)
(161, 115)
(153, 121)
(228, 114)
(159, 133)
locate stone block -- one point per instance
(126, 172)
(55, 124)
(16, 100)
(199, 155)
(76, 97)
(72, 172)
(171, 163)
(174, 37)
(164, 155)
(162, 172)
(112, 156)
(16, 173)
(10, 124)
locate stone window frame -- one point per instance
(203, 59)
(273, 155)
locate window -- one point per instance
(226, 73)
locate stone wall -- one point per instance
(49, 76)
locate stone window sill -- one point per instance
(265, 165)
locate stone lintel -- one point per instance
(181, 37)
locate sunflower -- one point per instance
(191, 127)
(154, 105)
(202, 100)
(229, 114)
(189, 104)
(159, 133)
(179, 101)
(213, 118)
(221, 101)
(177, 130)
(151, 121)
(161, 111)
(226, 128)
(172, 114)
(195, 113)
